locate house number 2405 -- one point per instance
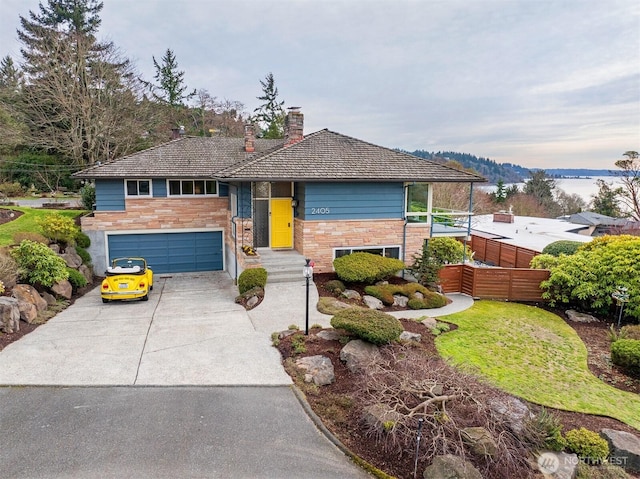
(320, 211)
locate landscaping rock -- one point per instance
(55, 247)
(351, 294)
(513, 410)
(329, 335)
(409, 336)
(418, 295)
(28, 311)
(319, 370)
(63, 288)
(252, 301)
(29, 294)
(72, 258)
(372, 303)
(624, 449)
(399, 300)
(580, 317)
(357, 354)
(288, 332)
(87, 272)
(451, 467)
(379, 417)
(558, 465)
(49, 298)
(9, 315)
(430, 322)
(479, 440)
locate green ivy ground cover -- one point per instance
(533, 354)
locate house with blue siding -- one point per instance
(193, 203)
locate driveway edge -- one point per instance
(364, 465)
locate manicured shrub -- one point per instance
(562, 247)
(335, 286)
(630, 331)
(386, 292)
(626, 353)
(31, 236)
(252, 278)
(366, 267)
(84, 254)
(59, 228)
(368, 324)
(82, 239)
(544, 261)
(588, 445)
(76, 278)
(37, 264)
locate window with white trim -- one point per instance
(137, 187)
(192, 188)
(386, 251)
(417, 202)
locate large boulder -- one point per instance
(372, 303)
(357, 354)
(87, 272)
(624, 449)
(72, 258)
(401, 301)
(479, 440)
(409, 336)
(9, 315)
(318, 370)
(451, 467)
(29, 294)
(49, 298)
(28, 312)
(63, 289)
(578, 317)
(512, 410)
(351, 294)
(380, 417)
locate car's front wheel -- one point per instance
(105, 300)
(145, 297)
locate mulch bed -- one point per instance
(7, 215)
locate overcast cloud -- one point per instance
(539, 83)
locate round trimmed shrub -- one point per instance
(368, 324)
(76, 278)
(252, 278)
(562, 247)
(82, 240)
(588, 445)
(626, 353)
(366, 267)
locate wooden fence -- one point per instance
(513, 284)
(496, 253)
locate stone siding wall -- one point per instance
(317, 239)
(162, 213)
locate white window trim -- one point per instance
(419, 214)
(364, 248)
(169, 195)
(137, 180)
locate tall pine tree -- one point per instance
(270, 115)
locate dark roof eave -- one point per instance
(356, 180)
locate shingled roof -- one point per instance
(320, 156)
(188, 157)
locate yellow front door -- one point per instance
(281, 223)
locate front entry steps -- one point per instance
(283, 266)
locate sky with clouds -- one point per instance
(540, 83)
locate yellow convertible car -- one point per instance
(127, 278)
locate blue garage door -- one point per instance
(171, 252)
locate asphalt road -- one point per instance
(162, 432)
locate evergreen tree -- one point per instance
(12, 125)
(606, 202)
(270, 115)
(171, 87)
(500, 196)
(542, 189)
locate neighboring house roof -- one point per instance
(320, 156)
(527, 231)
(596, 219)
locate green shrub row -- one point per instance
(252, 278)
(368, 324)
(626, 353)
(385, 293)
(366, 267)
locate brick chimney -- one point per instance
(249, 138)
(293, 126)
(503, 217)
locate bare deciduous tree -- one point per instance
(629, 175)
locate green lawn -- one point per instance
(535, 355)
(28, 221)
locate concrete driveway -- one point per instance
(190, 332)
